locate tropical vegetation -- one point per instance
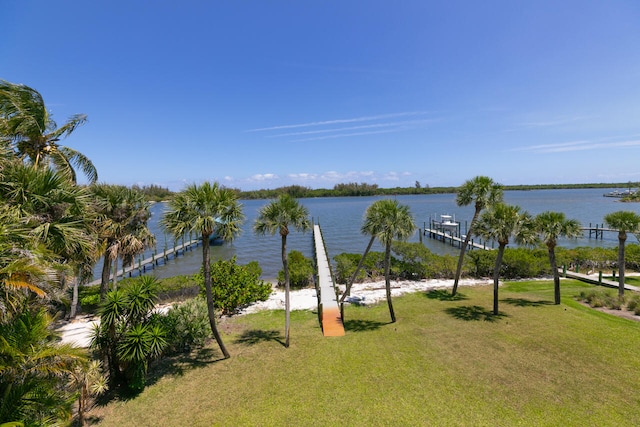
(277, 217)
(205, 210)
(483, 192)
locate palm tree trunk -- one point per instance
(206, 266)
(496, 278)
(556, 276)
(104, 282)
(621, 265)
(387, 280)
(74, 298)
(115, 273)
(463, 250)
(347, 291)
(287, 302)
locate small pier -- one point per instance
(447, 229)
(328, 311)
(149, 263)
(597, 231)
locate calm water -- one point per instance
(341, 219)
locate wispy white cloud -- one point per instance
(342, 129)
(340, 121)
(577, 146)
(346, 135)
(554, 122)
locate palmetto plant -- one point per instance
(483, 192)
(501, 222)
(277, 217)
(387, 220)
(205, 210)
(551, 226)
(122, 228)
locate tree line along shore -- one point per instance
(353, 189)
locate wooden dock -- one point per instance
(328, 310)
(149, 263)
(453, 239)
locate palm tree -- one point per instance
(205, 210)
(123, 231)
(388, 220)
(27, 125)
(48, 222)
(278, 216)
(551, 226)
(625, 222)
(483, 192)
(500, 223)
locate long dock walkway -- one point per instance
(143, 264)
(596, 280)
(328, 309)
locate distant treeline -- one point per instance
(154, 193)
(354, 189)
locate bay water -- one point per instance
(341, 219)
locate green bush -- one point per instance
(300, 271)
(235, 286)
(416, 261)
(187, 325)
(345, 267)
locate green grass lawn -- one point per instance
(443, 363)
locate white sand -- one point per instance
(368, 293)
(79, 330)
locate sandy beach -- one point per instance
(78, 331)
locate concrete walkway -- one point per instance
(328, 303)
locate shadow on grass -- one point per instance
(255, 336)
(175, 365)
(362, 325)
(522, 302)
(474, 312)
(444, 295)
(178, 364)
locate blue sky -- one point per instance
(261, 94)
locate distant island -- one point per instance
(354, 189)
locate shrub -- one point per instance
(346, 265)
(415, 260)
(187, 325)
(300, 270)
(235, 286)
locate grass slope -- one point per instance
(445, 362)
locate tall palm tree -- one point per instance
(388, 220)
(48, 222)
(205, 210)
(551, 226)
(278, 216)
(123, 232)
(500, 223)
(27, 125)
(625, 222)
(483, 192)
